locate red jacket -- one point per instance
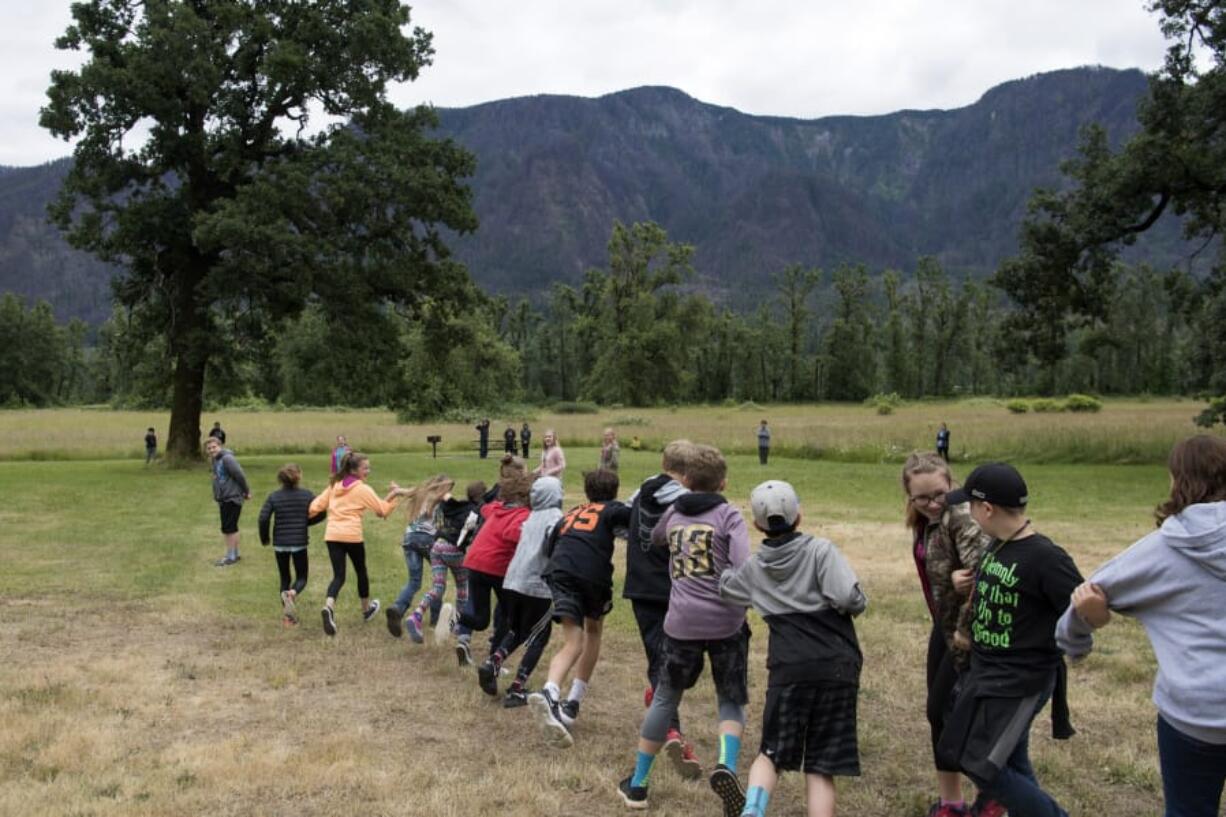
(495, 544)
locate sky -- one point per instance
(798, 58)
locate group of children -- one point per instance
(999, 593)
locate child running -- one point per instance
(1022, 588)
(445, 555)
(647, 584)
(580, 577)
(346, 499)
(705, 536)
(528, 601)
(1174, 582)
(425, 518)
(290, 505)
(807, 594)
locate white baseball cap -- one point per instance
(774, 498)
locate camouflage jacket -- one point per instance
(953, 543)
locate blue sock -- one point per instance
(729, 750)
(755, 801)
(642, 768)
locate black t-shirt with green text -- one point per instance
(1021, 590)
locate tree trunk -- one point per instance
(189, 342)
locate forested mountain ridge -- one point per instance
(752, 193)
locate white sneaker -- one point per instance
(445, 624)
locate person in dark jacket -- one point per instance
(230, 489)
(525, 437)
(483, 438)
(290, 506)
(151, 445)
(216, 433)
(807, 594)
(511, 441)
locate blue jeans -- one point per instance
(1016, 786)
(415, 564)
(1192, 773)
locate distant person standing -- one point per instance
(483, 438)
(525, 437)
(943, 442)
(230, 489)
(610, 451)
(217, 433)
(151, 445)
(553, 459)
(512, 441)
(764, 443)
(338, 454)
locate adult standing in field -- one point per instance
(510, 440)
(338, 453)
(346, 499)
(525, 437)
(483, 438)
(947, 546)
(230, 490)
(764, 443)
(217, 433)
(553, 458)
(943, 442)
(610, 451)
(151, 445)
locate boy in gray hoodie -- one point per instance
(1174, 582)
(807, 594)
(230, 489)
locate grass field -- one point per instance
(138, 680)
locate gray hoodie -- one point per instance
(530, 560)
(229, 481)
(1174, 582)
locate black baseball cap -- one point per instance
(995, 482)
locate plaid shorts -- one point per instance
(729, 664)
(812, 727)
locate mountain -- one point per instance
(752, 193)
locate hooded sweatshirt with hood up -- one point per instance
(345, 502)
(807, 593)
(1174, 582)
(647, 566)
(524, 574)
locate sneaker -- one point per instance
(548, 715)
(225, 561)
(371, 611)
(681, 753)
(940, 809)
(287, 606)
(570, 713)
(288, 622)
(648, 695)
(445, 626)
(329, 620)
(395, 621)
(413, 625)
(515, 698)
(633, 796)
(487, 677)
(463, 654)
(725, 783)
(988, 808)
(235, 558)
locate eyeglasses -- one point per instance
(927, 499)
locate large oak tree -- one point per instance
(199, 171)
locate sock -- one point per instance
(642, 768)
(552, 688)
(577, 690)
(729, 749)
(755, 802)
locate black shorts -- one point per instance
(230, 512)
(729, 664)
(812, 727)
(576, 599)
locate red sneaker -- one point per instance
(681, 753)
(940, 809)
(989, 808)
(648, 694)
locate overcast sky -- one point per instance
(802, 58)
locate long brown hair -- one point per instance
(350, 463)
(922, 462)
(424, 498)
(1198, 474)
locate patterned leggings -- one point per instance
(444, 556)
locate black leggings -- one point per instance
(942, 676)
(356, 551)
(299, 558)
(481, 587)
(529, 620)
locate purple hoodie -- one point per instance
(705, 535)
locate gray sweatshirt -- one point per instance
(1174, 582)
(229, 481)
(529, 562)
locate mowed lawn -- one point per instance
(137, 679)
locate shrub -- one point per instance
(1018, 406)
(884, 403)
(749, 405)
(575, 407)
(1083, 402)
(1046, 405)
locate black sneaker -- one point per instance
(395, 621)
(633, 796)
(329, 620)
(225, 561)
(515, 698)
(463, 654)
(547, 712)
(487, 677)
(724, 783)
(371, 611)
(569, 711)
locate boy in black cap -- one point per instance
(1021, 589)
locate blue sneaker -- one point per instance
(413, 626)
